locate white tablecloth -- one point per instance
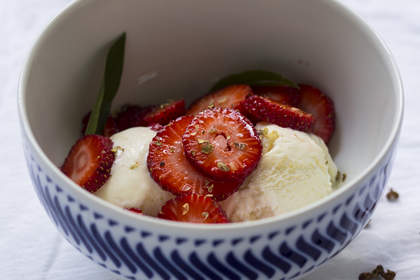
(31, 248)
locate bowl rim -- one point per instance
(130, 218)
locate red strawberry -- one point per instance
(321, 107)
(170, 168)
(263, 109)
(132, 116)
(193, 208)
(156, 127)
(280, 94)
(228, 97)
(222, 144)
(89, 162)
(135, 210)
(164, 113)
(110, 125)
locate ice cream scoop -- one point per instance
(295, 170)
(130, 184)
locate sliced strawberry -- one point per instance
(222, 144)
(135, 210)
(280, 94)
(132, 116)
(170, 168)
(89, 162)
(321, 107)
(263, 109)
(228, 97)
(165, 113)
(193, 208)
(156, 127)
(110, 125)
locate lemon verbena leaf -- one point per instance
(111, 82)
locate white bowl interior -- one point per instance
(179, 48)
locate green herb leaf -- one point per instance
(222, 166)
(207, 148)
(254, 78)
(109, 87)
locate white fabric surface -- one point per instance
(31, 248)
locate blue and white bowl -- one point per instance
(179, 48)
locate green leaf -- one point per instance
(254, 78)
(111, 83)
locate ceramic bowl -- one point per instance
(178, 49)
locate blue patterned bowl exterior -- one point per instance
(137, 249)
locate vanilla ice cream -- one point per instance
(294, 171)
(130, 184)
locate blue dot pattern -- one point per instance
(279, 254)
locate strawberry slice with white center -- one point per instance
(89, 162)
(222, 144)
(280, 94)
(228, 97)
(264, 109)
(169, 167)
(314, 102)
(193, 208)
